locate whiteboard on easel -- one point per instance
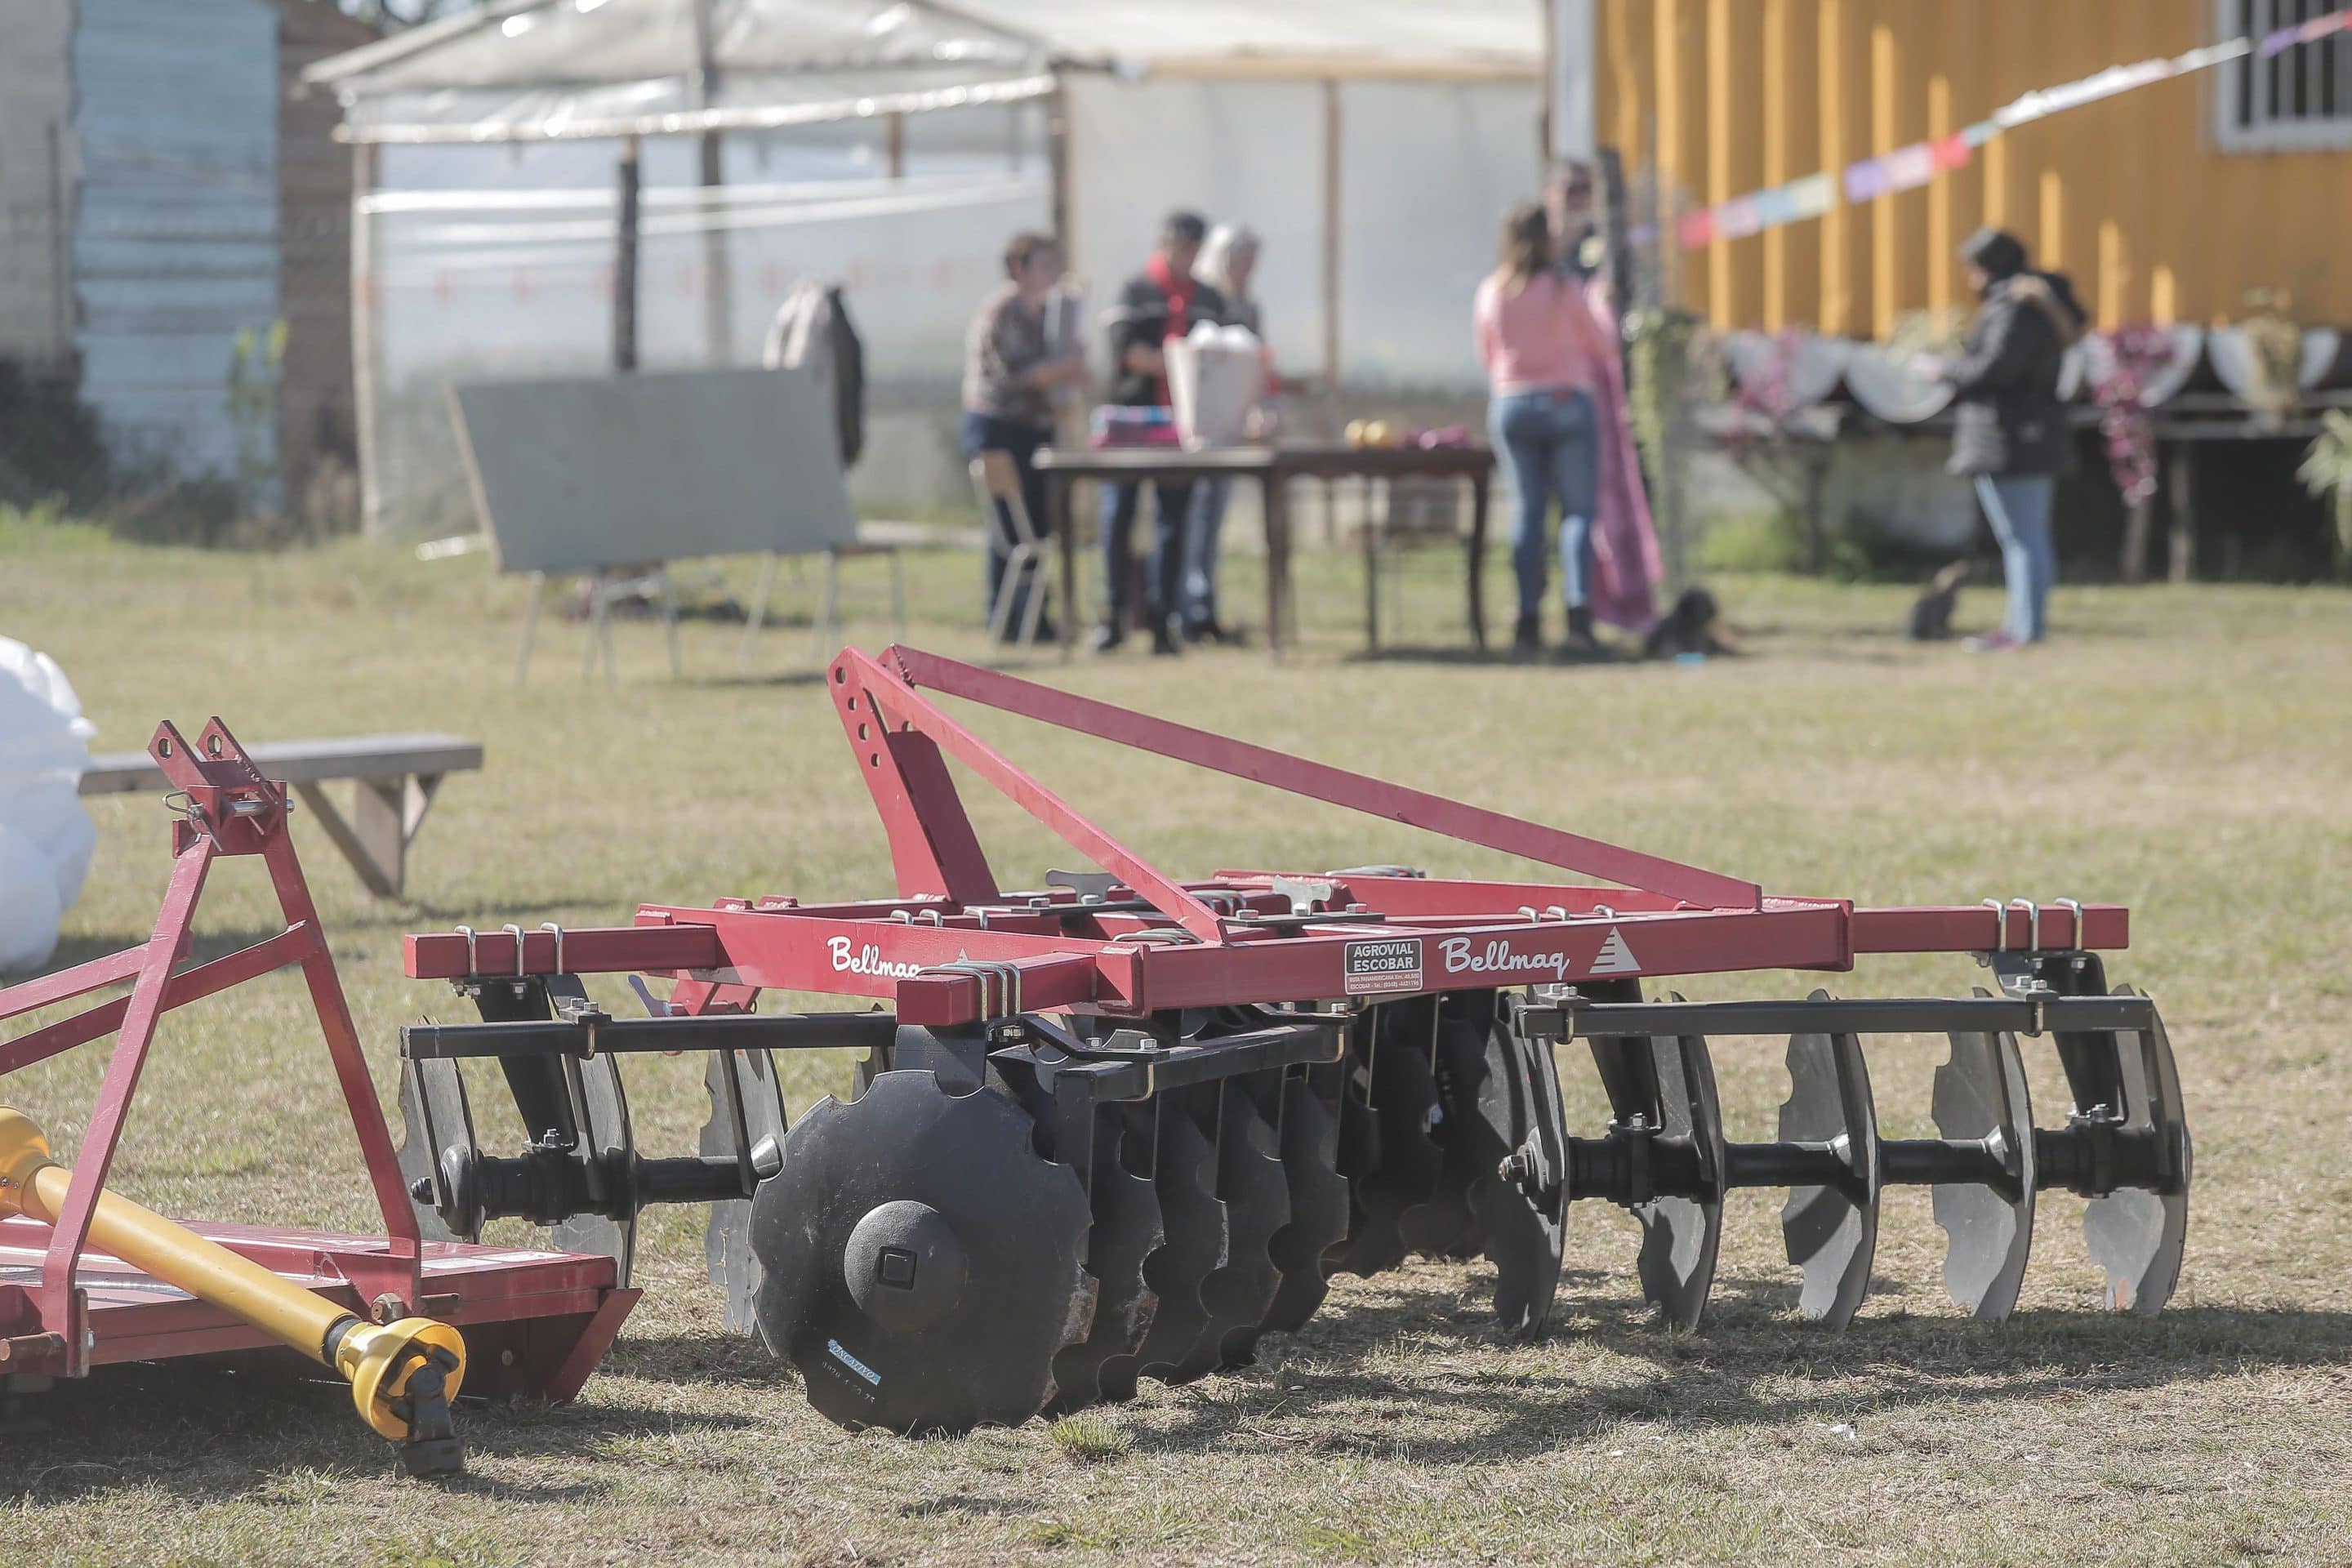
(591, 473)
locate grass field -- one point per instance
(2189, 753)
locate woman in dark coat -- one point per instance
(2011, 434)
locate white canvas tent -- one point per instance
(1372, 142)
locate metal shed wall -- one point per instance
(2131, 195)
(36, 183)
(175, 242)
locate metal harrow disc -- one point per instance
(1318, 1200)
(1663, 1086)
(1980, 1097)
(1402, 1092)
(1471, 1145)
(601, 1111)
(2137, 1233)
(922, 1262)
(747, 1108)
(1523, 1213)
(1194, 1219)
(1832, 1228)
(437, 1129)
(1257, 1195)
(1127, 1231)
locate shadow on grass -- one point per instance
(1751, 1366)
(264, 1431)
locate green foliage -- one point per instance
(253, 367)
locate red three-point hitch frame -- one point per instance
(64, 1309)
(953, 947)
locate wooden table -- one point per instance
(1273, 469)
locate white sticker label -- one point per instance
(1384, 968)
(834, 1348)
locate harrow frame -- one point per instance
(1123, 1015)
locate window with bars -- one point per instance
(2297, 99)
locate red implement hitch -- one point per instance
(536, 1323)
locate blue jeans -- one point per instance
(1163, 581)
(2017, 507)
(1551, 440)
(986, 433)
(1201, 552)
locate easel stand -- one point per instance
(603, 587)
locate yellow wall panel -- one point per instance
(2129, 195)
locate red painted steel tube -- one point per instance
(899, 699)
(1317, 781)
(217, 975)
(1963, 929)
(690, 943)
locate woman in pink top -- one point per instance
(1542, 353)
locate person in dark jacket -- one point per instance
(1161, 302)
(2011, 434)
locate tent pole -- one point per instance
(364, 332)
(1331, 250)
(625, 263)
(717, 264)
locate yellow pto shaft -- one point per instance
(403, 1375)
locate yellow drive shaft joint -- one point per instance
(403, 1375)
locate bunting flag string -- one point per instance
(1908, 168)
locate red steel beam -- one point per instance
(1319, 781)
(689, 943)
(1959, 928)
(898, 700)
(290, 946)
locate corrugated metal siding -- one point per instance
(36, 180)
(2131, 195)
(175, 246)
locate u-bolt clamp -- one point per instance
(516, 931)
(2070, 904)
(550, 926)
(2032, 922)
(2000, 924)
(472, 953)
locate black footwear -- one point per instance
(1213, 631)
(1527, 636)
(1167, 641)
(1047, 632)
(1107, 635)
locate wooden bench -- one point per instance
(394, 780)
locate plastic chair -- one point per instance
(998, 483)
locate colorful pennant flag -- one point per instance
(1908, 168)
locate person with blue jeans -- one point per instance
(1542, 349)
(1010, 372)
(1225, 264)
(2010, 432)
(1160, 304)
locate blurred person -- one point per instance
(1010, 374)
(1543, 353)
(1161, 302)
(1225, 264)
(1571, 210)
(2010, 435)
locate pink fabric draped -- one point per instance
(1625, 542)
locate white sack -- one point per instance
(46, 837)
